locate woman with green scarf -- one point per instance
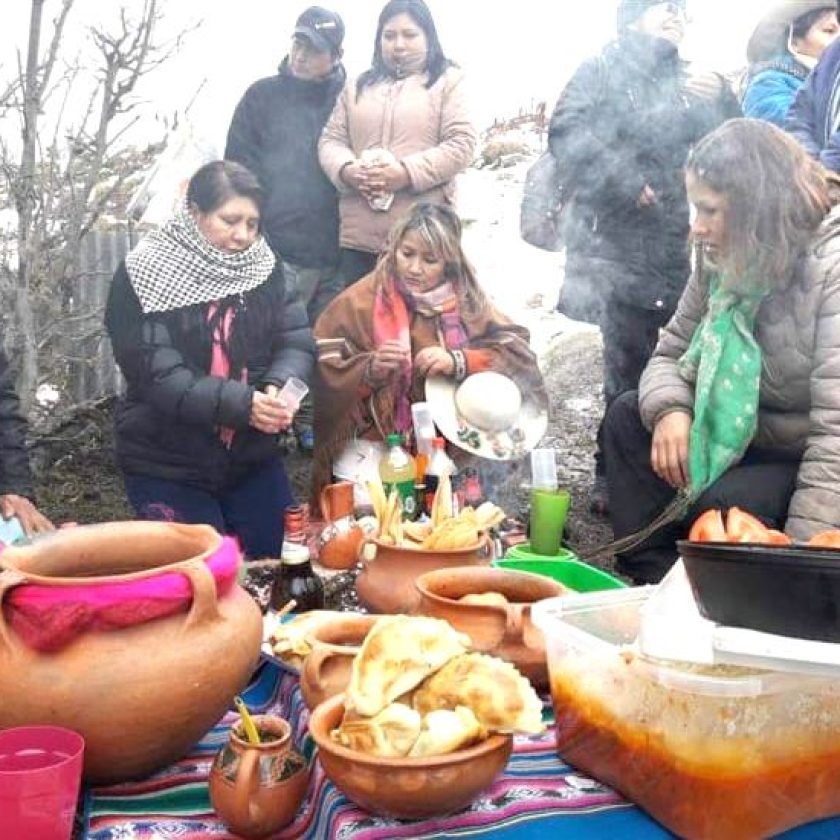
(740, 403)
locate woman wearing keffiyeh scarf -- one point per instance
(740, 404)
(205, 335)
(420, 313)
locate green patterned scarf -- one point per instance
(724, 362)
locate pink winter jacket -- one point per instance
(428, 130)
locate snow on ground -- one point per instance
(523, 281)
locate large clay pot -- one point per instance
(141, 695)
(338, 544)
(504, 629)
(334, 644)
(256, 789)
(386, 582)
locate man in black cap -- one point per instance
(274, 132)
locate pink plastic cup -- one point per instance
(40, 774)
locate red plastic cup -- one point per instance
(40, 775)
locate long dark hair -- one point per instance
(418, 11)
(800, 27)
(776, 197)
(220, 180)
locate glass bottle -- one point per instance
(297, 579)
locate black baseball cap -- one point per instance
(322, 28)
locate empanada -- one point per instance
(288, 639)
(486, 599)
(398, 654)
(499, 696)
(390, 734)
(445, 731)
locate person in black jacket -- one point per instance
(274, 132)
(16, 489)
(620, 132)
(206, 331)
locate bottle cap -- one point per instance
(394, 439)
(439, 443)
(544, 469)
(294, 553)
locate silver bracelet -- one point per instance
(460, 362)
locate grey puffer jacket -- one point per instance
(798, 330)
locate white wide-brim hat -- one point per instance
(487, 414)
(771, 32)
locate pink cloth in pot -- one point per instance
(49, 617)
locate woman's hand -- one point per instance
(434, 361)
(387, 177)
(357, 178)
(31, 519)
(385, 361)
(269, 414)
(669, 450)
(706, 85)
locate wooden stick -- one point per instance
(287, 608)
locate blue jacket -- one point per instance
(772, 88)
(813, 117)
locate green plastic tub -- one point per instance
(564, 568)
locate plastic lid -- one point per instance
(394, 439)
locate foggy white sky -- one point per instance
(522, 53)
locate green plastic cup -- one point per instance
(548, 516)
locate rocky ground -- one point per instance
(79, 481)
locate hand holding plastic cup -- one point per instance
(293, 392)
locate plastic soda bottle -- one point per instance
(397, 471)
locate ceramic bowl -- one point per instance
(406, 788)
(386, 581)
(334, 644)
(503, 630)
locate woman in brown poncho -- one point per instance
(420, 312)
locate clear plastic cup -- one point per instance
(543, 469)
(293, 392)
(424, 427)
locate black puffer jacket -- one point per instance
(624, 121)
(15, 475)
(274, 132)
(167, 425)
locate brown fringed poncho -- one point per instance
(345, 407)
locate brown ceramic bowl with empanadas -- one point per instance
(406, 788)
(493, 607)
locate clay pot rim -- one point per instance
(199, 531)
(313, 636)
(421, 584)
(324, 710)
(284, 741)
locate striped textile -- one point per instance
(537, 796)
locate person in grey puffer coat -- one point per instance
(763, 226)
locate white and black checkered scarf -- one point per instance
(176, 266)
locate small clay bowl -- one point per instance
(503, 630)
(334, 644)
(406, 788)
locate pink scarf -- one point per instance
(219, 359)
(391, 322)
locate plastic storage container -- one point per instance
(710, 752)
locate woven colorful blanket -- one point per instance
(537, 796)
